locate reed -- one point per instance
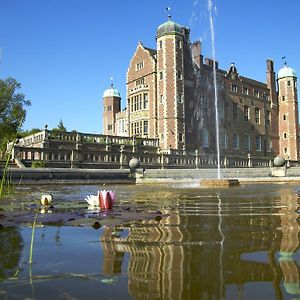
(33, 233)
(6, 182)
(6, 185)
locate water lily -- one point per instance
(46, 199)
(105, 199)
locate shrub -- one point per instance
(37, 164)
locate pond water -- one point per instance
(159, 242)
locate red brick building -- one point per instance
(170, 96)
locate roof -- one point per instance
(169, 27)
(286, 72)
(111, 92)
(151, 51)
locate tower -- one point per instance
(288, 113)
(111, 106)
(170, 84)
(271, 115)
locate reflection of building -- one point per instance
(148, 267)
(290, 243)
(112, 259)
(170, 96)
(181, 256)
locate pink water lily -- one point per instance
(105, 199)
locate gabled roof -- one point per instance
(152, 52)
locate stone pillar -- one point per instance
(225, 162)
(162, 158)
(78, 148)
(107, 148)
(121, 156)
(14, 153)
(46, 139)
(72, 160)
(197, 158)
(250, 163)
(75, 159)
(133, 145)
(135, 170)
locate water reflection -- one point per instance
(11, 247)
(211, 247)
(238, 243)
(289, 243)
(112, 258)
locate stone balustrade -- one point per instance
(95, 151)
(33, 138)
(101, 158)
(100, 138)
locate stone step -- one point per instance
(11, 164)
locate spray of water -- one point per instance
(212, 30)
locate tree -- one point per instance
(60, 126)
(24, 133)
(12, 110)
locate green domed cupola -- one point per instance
(111, 92)
(286, 72)
(169, 27)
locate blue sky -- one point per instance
(64, 52)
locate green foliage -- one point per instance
(37, 164)
(12, 110)
(24, 133)
(60, 127)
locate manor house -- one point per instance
(171, 96)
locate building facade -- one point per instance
(171, 96)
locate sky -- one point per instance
(65, 52)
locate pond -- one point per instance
(158, 242)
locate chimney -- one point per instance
(196, 53)
(210, 62)
(271, 82)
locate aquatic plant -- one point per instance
(32, 233)
(6, 180)
(6, 185)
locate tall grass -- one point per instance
(6, 185)
(6, 181)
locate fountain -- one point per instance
(216, 182)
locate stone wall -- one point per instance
(67, 176)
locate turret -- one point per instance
(111, 106)
(171, 38)
(288, 113)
